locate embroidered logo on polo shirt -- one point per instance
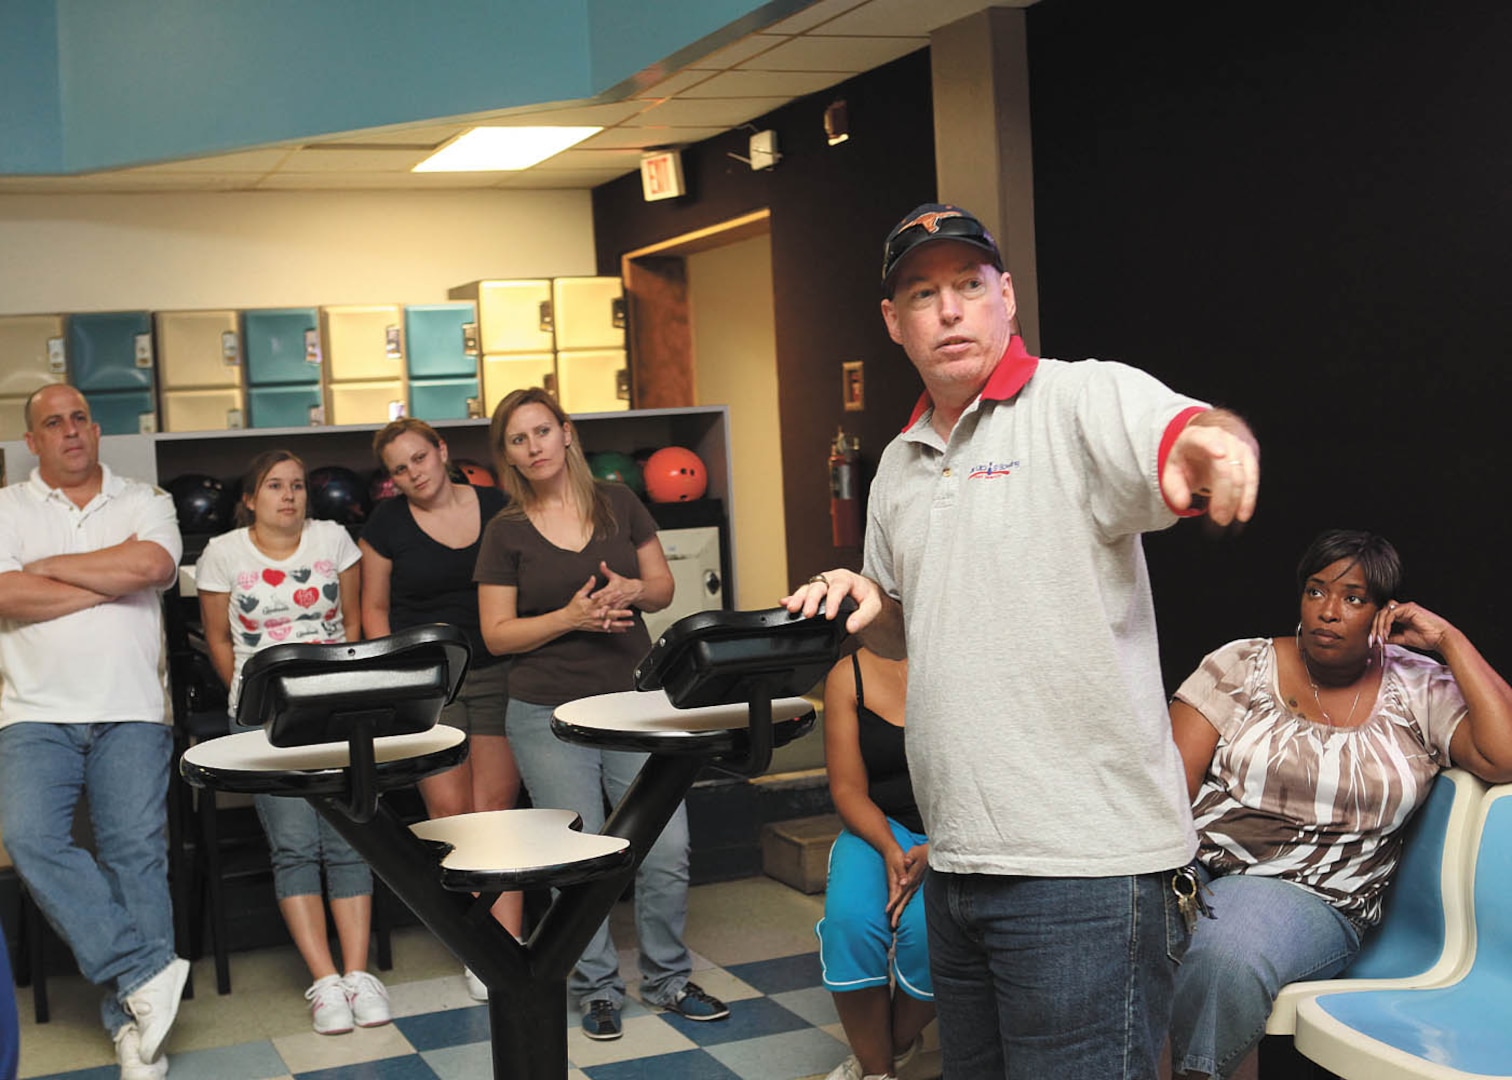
(992, 470)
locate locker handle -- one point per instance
(548, 318)
(618, 313)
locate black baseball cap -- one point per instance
(934, 221)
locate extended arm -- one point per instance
(1483, 741)
(878, 618)
(1216, 457)
(215, 614)
(119, 570)
(29, 598)
(1196, 740)
(377, 574)
(506, 633)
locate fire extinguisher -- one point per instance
(845, 489)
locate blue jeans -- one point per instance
(301, 842)
(113, 908)
(1052, 977)
(856, 935)
(564, 776)
(1264, 933)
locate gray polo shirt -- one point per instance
(1038, 736)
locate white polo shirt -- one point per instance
(1038, 738)
(102, 664)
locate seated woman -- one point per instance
(872, 906)
(1305, 756)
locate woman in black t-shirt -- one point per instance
(418, 554)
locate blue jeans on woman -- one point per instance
(1264, 933)
(113, 908)
(301, 842)
(1053, 977)
(564, 776)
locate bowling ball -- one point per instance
(381, 486)
(337, 494)
(476, 473)
(618, 468)
(675, 474)
(203, 503)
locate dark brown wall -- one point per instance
(830, 209)
(1304, 212)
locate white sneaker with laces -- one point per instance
(477, 989)
(367, 998)
(329, 1009)
(128, 1047)
(155, 1004)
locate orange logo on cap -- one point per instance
(931, 220)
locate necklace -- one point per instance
(1318, 700)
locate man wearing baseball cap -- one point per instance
(1003, 558)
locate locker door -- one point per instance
(31, 353)
(203, 410)
(362, 343)
(513, 316)
(445, 399)
(12, 418)
(285, 406)
(501, 374)
(198, 349)
(375, 402)
(593, 381)
(123, 412)
(590, 312)
(281, 345)
(693, 556)
(110, 351)
(441, 341)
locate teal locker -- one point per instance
(281, 346)
(123, 412)
(284, 406)
(445, 399)
(441, 341)
(110, 351)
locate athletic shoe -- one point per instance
(155, 1004)
(128, 1045)
(368, 999)
(602, 1020)
(329, 1008)
(477, 989)
(693, 1003)
(850, 1069)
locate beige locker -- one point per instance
(12, 418)
(593, 380)
(218, 409)
(589, 313)
(513, 316)
(515, 371)
(375, 402)
(31, 353)
(362, 342)
(197, 349)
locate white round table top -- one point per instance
(651, 713)
(516, 840)
(250, 751)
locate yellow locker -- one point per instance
(362, 342)
(589, 313)
(513, 316)
(203, 410)
(593, 380)
(197, 349)
(515, 371)
(375, 402)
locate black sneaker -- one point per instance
(602, 1020)
(694, 1004)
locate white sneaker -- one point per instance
(155, 1004)
(476, 987)
(128, 1045)
(850, 1069)
(368, 999)
(328, 1006)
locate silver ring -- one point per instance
(1236, 461)
(817, 578)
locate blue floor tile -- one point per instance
(430, 1031)
(782, 974)
(749, 1019)
(808, 1052)
(246, 1061)
(408, 1067)
(685, 1065)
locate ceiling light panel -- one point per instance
(504, 149)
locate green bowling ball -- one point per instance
(618, 468)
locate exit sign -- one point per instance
(662, 175)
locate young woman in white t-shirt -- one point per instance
(282, 578)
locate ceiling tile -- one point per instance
(844, 54)
(429, 135)
(640, 137)
(812, 16)
(591, 159)
(676, 84)
(905, 18)
(735, 54)
(317, 158)
(716, 112)
(569, 116)
(255, 162)
(373, 181)
(769, 84)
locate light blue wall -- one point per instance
(31, 135)
(92, 84)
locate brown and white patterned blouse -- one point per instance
(1315, 805)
